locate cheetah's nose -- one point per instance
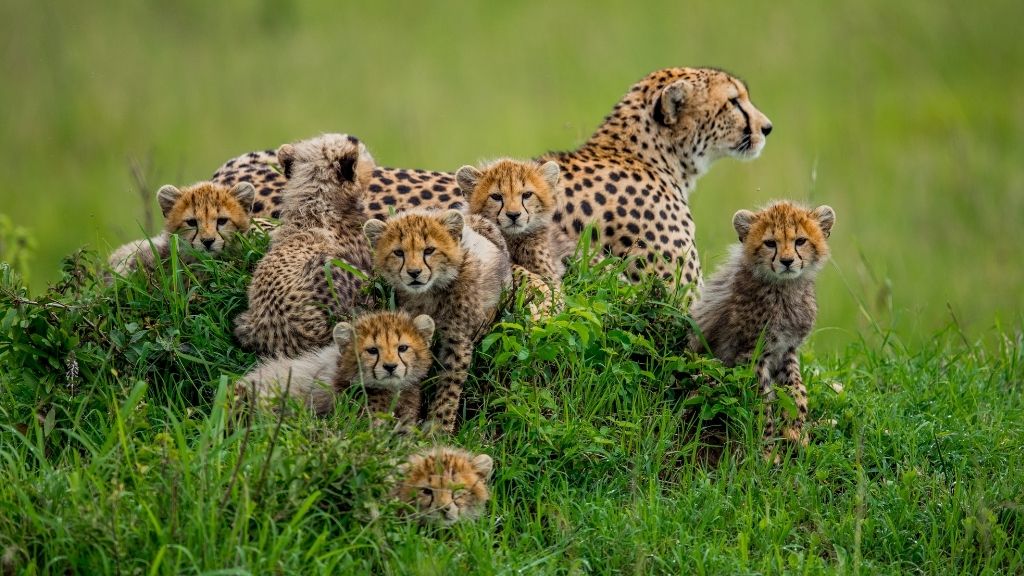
(766, 129)
(208, 242)
(415, 273)
(513, 216)
(787, 262)
(390, 368)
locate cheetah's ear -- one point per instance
(346, 167)
(742, 221)
(467, 178)
(453, 221)
(551, 172)
(826, 218)
(343, 333)
(167, 195)
(425, 326)
(286, 157)
(484, 465)
(669, 103)
(245, 194)
(373, 229)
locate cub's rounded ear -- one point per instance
(343, 333)
(245, 194)
(167, 195)
(286, 157)
(742, 221)
(425, 326)
(668, 104)
(826, 218)
(346, 167)
(467, 178)
(373, 229)
(551, 172)
(484, 465)
(453, 221)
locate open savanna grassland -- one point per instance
(907, 117)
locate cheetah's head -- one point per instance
(206, 215)
(520, 197)
(418, 251)
(386, 349)
(446, 484)
(784, 241)
(337, 159)
(706, 114)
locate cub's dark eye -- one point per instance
(372, 350)
(426, 492)
(496, 197)
(735, 101)
(222, 221)
(400, 253)
(801, 241)
(191, 222)
(769, 243)
(403, 348)
(527, 195)
(428, 251)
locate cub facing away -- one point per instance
(205, 216)
(296, 290)
(453, 268)
(521, 198)
(766, 290)
(446, 484)
(387, 353)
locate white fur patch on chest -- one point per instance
(481, 247)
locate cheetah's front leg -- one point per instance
(764, 380)
(789, 375)
(454, 360)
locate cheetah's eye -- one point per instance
(801, 241)
(496, 197)
(372, 350)
(403, 348)
(426, 492)
(191, 222)
(398, 252)
(222, 221)
(769, 243)
(527, 194)
(735, 101)
(428, 251)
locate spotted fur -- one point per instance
(297, 292)
(387, 353)
(453, 268)
(205, 216)
(765, 292)
(446, 484)
(632, 178)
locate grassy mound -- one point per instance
(120, 450)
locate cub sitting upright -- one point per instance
(387, 353)
(453, 268)
(521, 198)
(766, 290)
(205, 215)
(292, 300)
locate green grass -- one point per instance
(135, 461)
(904, 116)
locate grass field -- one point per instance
(121, 453)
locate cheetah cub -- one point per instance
(453, 268)
(446, 484)
(387, 353)
(205, 215)
(292, 300)
(767, 288)
(521, 198)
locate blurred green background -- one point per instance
(907, 117)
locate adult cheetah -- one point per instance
(632, 178)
